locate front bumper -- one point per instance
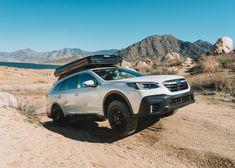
(161, 104)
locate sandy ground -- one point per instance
(199, 135)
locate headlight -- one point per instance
(143, 85)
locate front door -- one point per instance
(87, 97)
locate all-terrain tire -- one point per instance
(120, 118)
(57, 116)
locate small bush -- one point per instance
(210, 65)
(29, 110)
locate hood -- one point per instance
(151, 78)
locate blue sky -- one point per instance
(45, 25)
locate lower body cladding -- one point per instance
(162, 104)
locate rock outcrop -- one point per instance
(172, 59)
(140, 65)
(222, 46)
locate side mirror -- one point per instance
(89, 83)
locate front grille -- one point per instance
(179, 100)
(176, 85)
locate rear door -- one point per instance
(69, 95)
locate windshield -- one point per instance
(116, 73)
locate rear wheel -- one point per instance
(58, 116)
(120, 118)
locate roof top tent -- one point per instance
(93, 61)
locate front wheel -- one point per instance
(120, 118)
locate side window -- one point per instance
(60, 86)
(71, 83)
(85, 77)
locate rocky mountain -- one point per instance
(156, 47)
(29, 55)
(153, 47)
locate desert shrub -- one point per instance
(178, 62)
(163, 70)
(233, 66)
(28, 109)
(197, 69)
(227, 60)
(210, 65)
(157, 69)
(213, 82)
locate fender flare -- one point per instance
(121, 95)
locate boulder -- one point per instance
(126, 64)
(172, 58)
(188, 62)
(7, 100)
(222, 46)
(148, 61)
(141, 64)
(144, 65)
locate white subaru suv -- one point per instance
(99, 90)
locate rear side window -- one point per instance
(71, 83)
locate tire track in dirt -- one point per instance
(203, 159)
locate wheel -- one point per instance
(120, 118)
(58, 116)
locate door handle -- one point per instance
(58, 96)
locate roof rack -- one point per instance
(93, 61)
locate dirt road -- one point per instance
(200, 135)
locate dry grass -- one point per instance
(227, 61)
(28, 92)
(213, 64)
(211, 82)
(214, 73)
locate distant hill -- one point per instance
(101, 52)
(153, 47)
(61, 60)
(158, 46)
(28, 55)
(65, 53)
(21, 55)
